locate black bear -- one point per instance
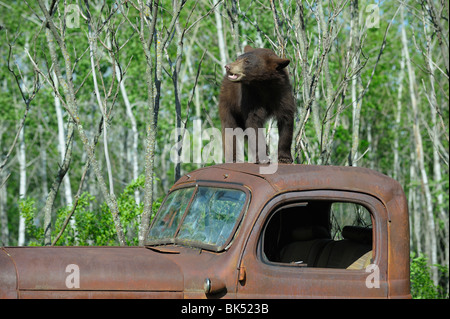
(256, 87)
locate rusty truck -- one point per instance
(228, 231)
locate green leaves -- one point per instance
(422, 286)
(91, 226)
(27, 209)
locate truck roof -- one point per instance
(300, 177)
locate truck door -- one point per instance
(317, 244)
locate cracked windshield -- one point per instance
(209, 219)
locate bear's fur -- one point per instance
(256, 87)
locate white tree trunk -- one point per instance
(134, 132)
(43, 154)
(102, 107)
(62, 152)
(221, 41)
(62, 145)
(435, 135)
(398, 117)
(22, 184)
(4, 239)
(430, 224)
(413, 202)
(356, 82)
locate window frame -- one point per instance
(197, 244)
(295, 198)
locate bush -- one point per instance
(92, 228)
(422, 286)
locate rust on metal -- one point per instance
(237, 265)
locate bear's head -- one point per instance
(256, 64)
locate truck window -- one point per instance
(320, 234)
(200, 217)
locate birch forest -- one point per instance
(92, 94)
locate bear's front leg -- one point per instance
(257, 147)
(229, 141)
(285, 131)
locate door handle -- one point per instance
(242, 274)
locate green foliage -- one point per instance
(27, 210)
(378, 129)
(92, 227)
(422, 286)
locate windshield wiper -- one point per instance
(162, 250)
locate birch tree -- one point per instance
(62, 142)
(435, 131)
(134, 130)
(4, 239)
(145, 28)
(431, 233)
(356, 81)
(28, 90)
(132, 71)
(220, 37)
(57, 38)
(152, 32)
(23, 184)
(65, 154)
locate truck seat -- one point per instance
(357, 242)
(305, 246)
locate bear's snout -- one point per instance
(234, 72)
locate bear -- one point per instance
(255, 88)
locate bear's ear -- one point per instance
(281, 63)
(248, 49)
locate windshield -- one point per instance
(209, 219)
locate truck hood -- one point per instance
(92, 269)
